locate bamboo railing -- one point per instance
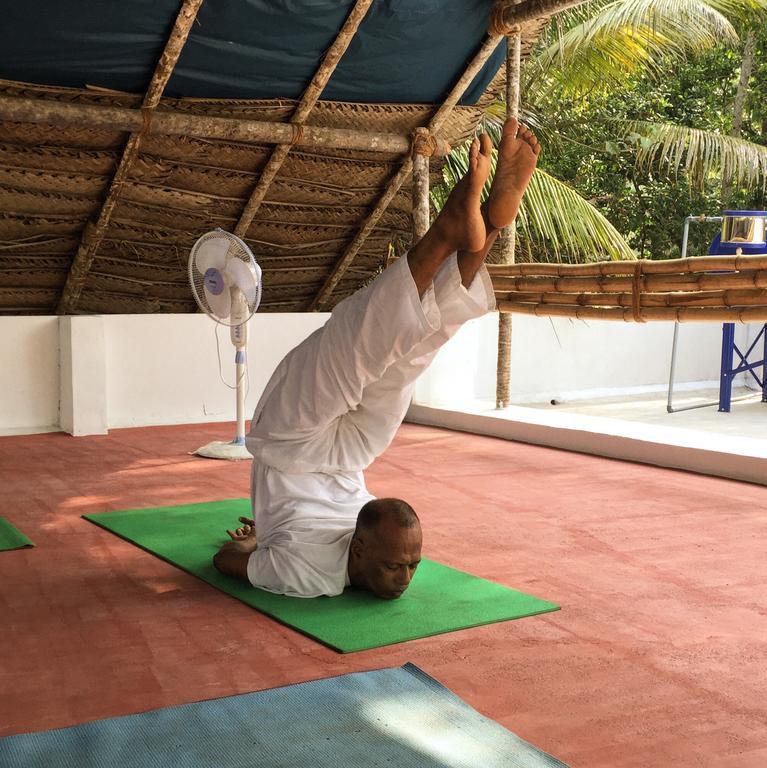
(702, 289)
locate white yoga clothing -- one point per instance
(331, 407)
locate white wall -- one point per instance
(29, 373)
(560, 358)
(163, 369)
(158, 369)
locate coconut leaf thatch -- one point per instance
(104, 191)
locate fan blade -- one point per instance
(243, 275)
(220, 304)
(212, 253)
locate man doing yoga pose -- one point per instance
(335, 402)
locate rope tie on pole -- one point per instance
(298, 134)
(498, 24)
(146, 117)
(424, 143)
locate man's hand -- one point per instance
(245, 532)
(232, 558)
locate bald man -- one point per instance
(336, 401)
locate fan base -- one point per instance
(221, 450)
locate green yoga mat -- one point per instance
(12, 538)
(440, 599)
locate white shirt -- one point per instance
(334, 404)
(304, 526)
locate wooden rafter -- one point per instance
(92, 234)
(434, 126)
(304, 108)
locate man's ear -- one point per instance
(356, 547)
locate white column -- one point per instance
(82, 361)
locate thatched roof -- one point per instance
(99, 206)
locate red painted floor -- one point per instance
(657, 657)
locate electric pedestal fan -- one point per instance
(226, 283)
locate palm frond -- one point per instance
(553, 215)
(626, 35)
(697, 152)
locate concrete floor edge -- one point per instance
(736, 466)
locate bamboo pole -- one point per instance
(435, 124)
(647, 283)
(92, 235)
(509, 235)
(725, 298)
(304, 108)
(609, 268)
(680, 314)
(170, 123)
(420, 189)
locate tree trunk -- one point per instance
(746, 68)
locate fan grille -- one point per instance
(233, 248)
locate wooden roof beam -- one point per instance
(170, 123)
(93, 233)
(435, 124)
(304, 108)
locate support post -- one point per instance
(764, 365)
(726, 374)
(509, 235)
(420, 186)
(83, 408)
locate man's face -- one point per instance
(389, 556)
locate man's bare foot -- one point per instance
(460, 221)
(517, 156)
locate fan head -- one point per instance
(225, 278)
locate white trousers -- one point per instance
(336, 401)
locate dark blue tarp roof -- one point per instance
(408, 51)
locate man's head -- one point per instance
(385, 548)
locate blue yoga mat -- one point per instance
(389, 717)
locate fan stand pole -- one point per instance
(236, 450)
(240, 365)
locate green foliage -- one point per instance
(608, 146)
(625, 37)
(632, 102)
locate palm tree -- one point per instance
(600, 47)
